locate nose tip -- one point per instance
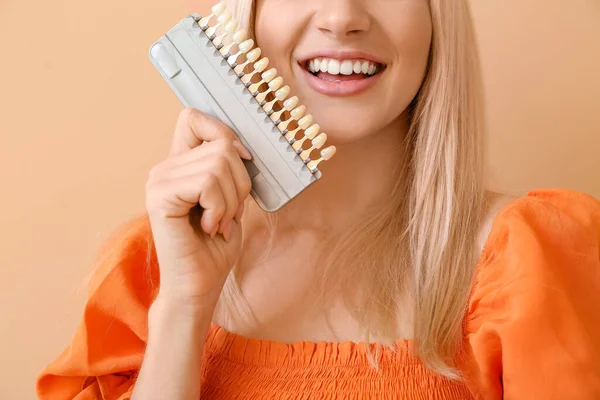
(342, 18)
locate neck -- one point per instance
(361, 175)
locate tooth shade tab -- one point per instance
(333, 66)
(326, 154)
(268, 90)
(269, 75)
(237, 38)
(221, 20)
(290, 103)
(230, 28)
(216, 10)
(243, 48)
(276, 83)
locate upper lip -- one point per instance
(340, 55)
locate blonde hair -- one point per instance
(422, 245)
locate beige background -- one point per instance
(84, 116)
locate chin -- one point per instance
(347, 130)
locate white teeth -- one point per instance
(344, 67)
(334, 67)
(365, 67)
(347, 67)
(324, 65)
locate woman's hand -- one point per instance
(195, 200)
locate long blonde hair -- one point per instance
(422, 245)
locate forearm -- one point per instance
(173, 357)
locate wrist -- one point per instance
(171, 309)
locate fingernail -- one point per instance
(245, 153)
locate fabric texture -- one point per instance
(531, 329)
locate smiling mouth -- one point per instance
(333, 70)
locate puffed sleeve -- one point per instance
(532, 329)
(106, 352)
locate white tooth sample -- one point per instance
(365, 67)
(305, 122)
(298, 112)
(261, 65)
(224, 17)
(240, 36)
(319, 141)
(269, 75)
(246, 45)
(333, 67)
(328, 153)
(311, 132)
(276, 83)
(218, 8)
(253, 55)
(357, 67)
(291, 103)
(282, 93)
(231, 26)
(346, 68)
(324, 65)
(311, 66)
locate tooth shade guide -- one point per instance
(285, 173)
(293, 134)
(268, 104)
(239, 57)
(257, 68)
(272, 86)
(218, 27)
(326, 154)
(216, 10)
(224, 33)
(286, 119)
(233, 43)
(280, 113)
(316, 143)
(258, 87)
(303, 123)
(247, 66)
(261, 85)
(302, 144)
(288, 125)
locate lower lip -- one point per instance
(342, 88)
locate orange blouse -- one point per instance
(531, 330)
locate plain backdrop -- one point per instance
(84, 116)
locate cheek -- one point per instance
(410, 38)
(273, 34)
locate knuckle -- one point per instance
(209, 181)
(220, 165)
(225, 145)
(224, 133)
(187, 114)
(155, 173)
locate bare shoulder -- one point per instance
(496, 202)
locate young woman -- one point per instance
(396, 276)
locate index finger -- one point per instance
(195, 127)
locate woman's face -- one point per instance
(323, 47)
